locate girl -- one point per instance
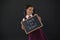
(35, 35)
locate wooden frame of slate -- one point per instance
(31, 24)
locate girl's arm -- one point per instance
(22, 27)
(39, 20)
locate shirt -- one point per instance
(27, 16)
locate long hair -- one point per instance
(27, 8)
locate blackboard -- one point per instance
(31, 24)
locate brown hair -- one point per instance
(28, 7)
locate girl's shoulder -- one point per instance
(23, 19)
(37, 15)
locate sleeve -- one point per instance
(23, 19)
(22, 27)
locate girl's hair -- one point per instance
(28, 7)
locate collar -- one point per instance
(28, 16)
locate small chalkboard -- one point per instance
(31, 24)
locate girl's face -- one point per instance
(29, 10)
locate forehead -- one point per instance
(30, 8)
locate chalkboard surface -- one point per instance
(31, 24)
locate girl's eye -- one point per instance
(29, 9)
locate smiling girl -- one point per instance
(38, 34)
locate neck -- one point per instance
(28, 14)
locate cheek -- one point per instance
(27, 10)
(31, 11)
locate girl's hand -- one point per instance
(22, 27)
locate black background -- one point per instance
(12, 12)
